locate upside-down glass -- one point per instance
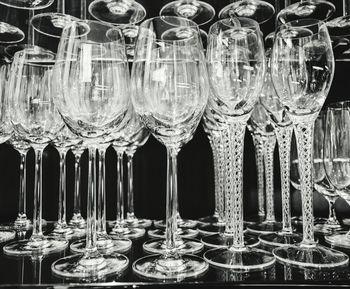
(170, 92)
(236, 66)
(302, 69)
(35, 118)
(336, 159)
(258, 10)
(92, 85)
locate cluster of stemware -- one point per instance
(79, 99)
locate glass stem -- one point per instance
(346, 8)
(37, 212)
(83, 9)
(91, 246)
(22, 216)
(216, 173)
(62, 222)
(304, 132)
(284, 139)
(171, 202)
(258, 141)
(268, 158)
(234, 146)
(130, 164)
(77, 200)
(101, 201)
(332, 218)
(221, 178)
(120, 191)
(31, 35)
(61, 6)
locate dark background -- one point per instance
(195, 164)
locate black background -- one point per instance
(195, 165)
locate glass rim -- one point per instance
(45, 62)
(339, 105)
(38, 7)
(285, 26)
(254, 24)
(194, 26)
(117, 24)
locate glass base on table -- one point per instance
(225, 240)
(181, 232)
(280, 239)
(265, 228)
(184, 246)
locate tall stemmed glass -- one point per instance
(34, 117)
(283, 129)
(77, 220)
(258, 10)
(92, 78)
(170, 85)
(10, 34)
(322, 185)
(336, 159)
(236, 65)
(306, 9)
(261, 122)
(302, 69)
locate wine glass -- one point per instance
(77, 220)
(117, 12)
(302, 69)
(27, 4)
(197, 11)
(92, 78)
(236, 66)
(336, 159)
(331, 224)
(170, 91)
(260, 11)
(10, 34)
(283, 129)
(34, 117)
(306, 9)
(260, 121)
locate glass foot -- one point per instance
(77, 266)
(77, 221)
(105, 245)
(139, 223)
(329, 228)
(341, 240)
(181, 223)
(280, 239)
(247, 259)
(183, 233)
(130, 233)
(29, 247)
(225, 240)
(175, 268)
(316, 256)
(265, 228)
(66, 233)
(208, 220)
(211, 229)
(7, 235)
(183, 245)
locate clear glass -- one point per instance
(91, 65)
(117, 12)
(31, 75)
(27, 4)
(283, 130)
(336, 160)
(170, 83)
(197, 11)
(302, 69)
(10, 34)
(236, 66)
(260, 11)
(306, 9)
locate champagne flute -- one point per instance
(302, 69)
(170, 94)
(34, 117)
(92, 78)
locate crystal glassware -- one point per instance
(283, 130)
(306, 9)
(170, 91)
(236, 66)
(336, 160)
(302, 69)
(197, 11)
(260, 11)
(92, 78)
(10, 34)
(30, 87)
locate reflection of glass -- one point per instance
(260, 11)
(306, 9)
(197, 11)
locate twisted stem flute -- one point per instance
(268, 158)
